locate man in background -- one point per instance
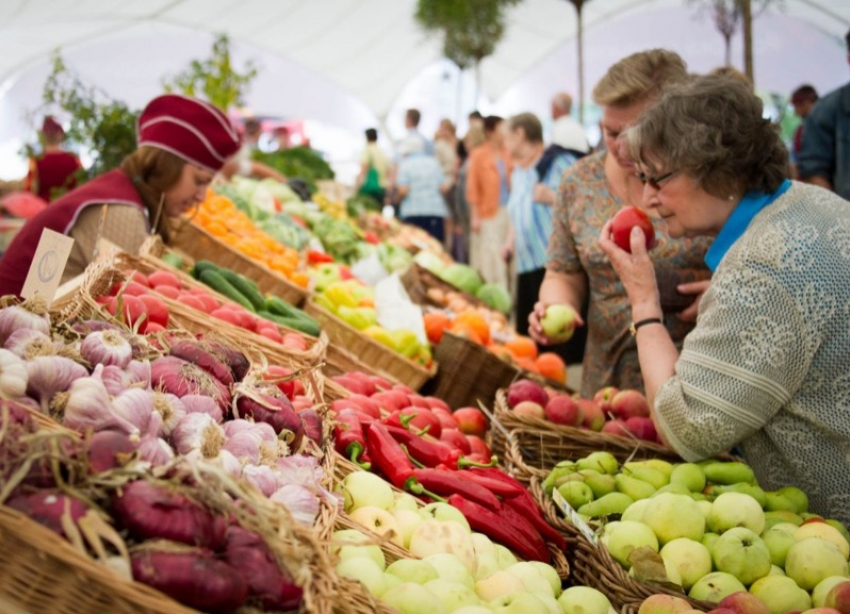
(803, 99)
(567, 132)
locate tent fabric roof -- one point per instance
(357, 56)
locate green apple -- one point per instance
(781, 594)
(622, 537)
(361, 488)
(812, 560)
(450, 567)
(443, 512)
(838, 526)
(486, 566)
(552, 605)
(483, 545)
(733, 509)
(709, 539)
(379, 521)
(705, 508)
(500, 584)
(576, 493)
(551, 575)
(474, 609)
(604, 462)
(391, 581)
(558, 323)
(413, 570)
(410, 598)
(344, 545)
(785, 527)
(583, 600)
(775, 570)
(635, 511)
(690, 558)
(823, 588)
(715, 586)
(689, 475)
(504, 557)
(532, 579)
(366, 571)
(778, 543)
(671, 516)
(743, 554)
(433, 537)
(454, 595)
(670, 570)
(405, 501)
(407, 521)
(823, 531)
(664, 604)
(518, 603)
(783, 516)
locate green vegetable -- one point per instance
(246, 288)
(463, 277)
(276, 305)
(203, 265)
(495, 297)
(173, 259)
(304, 325)
(217, 282)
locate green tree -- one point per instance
(471, 29)
(214, 79)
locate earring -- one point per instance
(731, 197)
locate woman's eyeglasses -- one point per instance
(654, 182)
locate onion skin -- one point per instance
(195, 579)
(47, 507)
(275, 411)
(149, 511)
(251, 558)
(108, 449)
(312, 425)
(179, 377)
(194, 352)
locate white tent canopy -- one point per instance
(356, 63)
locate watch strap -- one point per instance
(636, 325)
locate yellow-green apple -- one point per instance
(413, 570)
(551, 575)
(504, 557)
(454, 595)
(526, 390)
(781, 594)
(576, 493)
(349, 544)
(483, 545)
(671, 516)
(531, 577)
(407, 521)
(603, 398)
(690, 558)
(379, 521)
(624, 536)
(391, 581)
(499, 584)
(715, 586)
(732, 509)
(812, 560)
(594, 418)
(824, 587)
(486, 566)
(784, 517)
(663, 604)
(552, 605)
(584, 600)
(474, 609)
(743, 602)
(471, 421)
(775, 570)
(709, 539)
(689, 475)
(517, 603)
(361, 488)
(444, 512)
(450, 567)
(635, 511)
(410, 598)
(778, 543)
(529, 409)
(839, 526)
(558, 323)
(563, 409)
(838, 597)
(743, 554)
(628, 404)
(433, 537)
(673, 575)
(366, 571)
(404, 501)
(603, 462)
(815, 528)
(822, 611)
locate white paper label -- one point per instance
(576, 520)
(47, 265)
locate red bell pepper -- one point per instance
(447, 483)
(516, 536)
(317, 257)
(349, 438)
(388, 456)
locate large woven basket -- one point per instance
(418, 281)
(201, 245)
(382, 360)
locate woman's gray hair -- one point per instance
(711, 128)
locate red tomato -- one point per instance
(270, 332)
(133, 311)
(154, 327)
(139, 278)
(167, 291)
(165, 278)
(210, 303)
(130, 288)
(623, 222)
(157, 310)
(295, 341)
(227, 315)
(191, 301)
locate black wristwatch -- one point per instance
(634, 326)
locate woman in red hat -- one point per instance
(182, 143)
(54, 172)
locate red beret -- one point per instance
(50, 127)
(189, 128)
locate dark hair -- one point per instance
(476, 114)
(252, 124)
(153, 171)
(847, 40)
(413, 116)
(491, 122)
(711, 128)
(804, 93)
(529, 124)
(371, 135)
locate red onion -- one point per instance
(175, 375)
(275, 411)
(109, 449)
(196, 353)
(312, 425)
(252, 559)
(48, 508)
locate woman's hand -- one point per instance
(535, 329)
(696, 288)
(635, 270)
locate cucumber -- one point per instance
(277, 305)
(303, 325)
(173, 259)
(247, 287)
(217, 282)
(201, 266)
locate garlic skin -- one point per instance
(88, 406)
(171, 409)
(224, 459)
(48, 375)
(13, 375)
(28, 343)
(155, 450)
(106, 347)
(15, 317)
(200, 404)
(261, 477)
(136, 406)
(198, 432)
(138, 373)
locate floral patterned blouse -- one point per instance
(585, 202)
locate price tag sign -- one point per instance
(47, 265)
(577, 521)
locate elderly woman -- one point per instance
(767, 365)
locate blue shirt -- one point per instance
(423, 176)
(531, 220)
(736, 225)
(825, 151)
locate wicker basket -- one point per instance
(418, 281)
(201, 245)
(383, 360)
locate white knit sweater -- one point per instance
(768, 364)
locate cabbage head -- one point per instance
(495, 297)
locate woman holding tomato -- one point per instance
(591, 192)
(182, 143)
(767, 365)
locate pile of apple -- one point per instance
(716, 532)
(617, 412)
(836, 600)
(377, 398)
(456, 570)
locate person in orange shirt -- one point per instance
(487, 190)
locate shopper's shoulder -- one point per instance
(838, 99)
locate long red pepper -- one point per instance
(430, 453)
(448, 483)
(500, 489)
(525, 505)
(496, 526)
(349, 438)
(388, 456)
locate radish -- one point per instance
(254, 562)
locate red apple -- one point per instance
(529, 409)
(616, 427)
(594, 419)
(456, 439)
(603, 398)
(436, 403)
(744, 602)
(526, 390)
(642, 428)
(622, 224)
(403, 388)
(471, 420)
(447, 420)
(563, 409)
(418, 401)
(479, 446)
(368, 385)
(628, 404)
(380, 383)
